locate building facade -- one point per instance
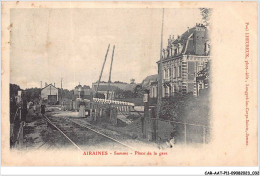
(49, 94)
(183, 59)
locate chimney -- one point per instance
(179, 37)
(46, 84)
(188, 29)
(172, 37)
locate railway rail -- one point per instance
(86, 127)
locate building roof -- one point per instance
(184, 36)
(106, 88)
(48, 86)
(187, 40)
(120, 85)
(149, 79)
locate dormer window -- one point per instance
(207, 47)
(175, 51)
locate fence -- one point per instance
(163, 130)
(16, 130)
(99, 103)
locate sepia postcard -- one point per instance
(129, 84)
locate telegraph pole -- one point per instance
(159, 98)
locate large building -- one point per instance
(182, 60)
(109, 91)
(49, 94)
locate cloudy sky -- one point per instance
(47, 44)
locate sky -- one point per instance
(50, 44)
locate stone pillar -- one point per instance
(146, 113)
(101, 112)
(91, 114)
(95, 114)
(113, 116)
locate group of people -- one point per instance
(19, 109)
(25, 107)
(36, 108)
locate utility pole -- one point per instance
(61, 90)
(102, 69)
(159, 98)
(109, 79)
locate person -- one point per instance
(172, 142)
(13, 113)
(82, 112)
(13, 109)
(29, 105)
(38, 110)
(24, 111)
(43, 109)
(34, 107)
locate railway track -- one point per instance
(81, 135)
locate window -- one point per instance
(166, 74)
(200, 67)
(174, 72)
(179, 71)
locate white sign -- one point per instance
(145, 99)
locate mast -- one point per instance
(102, 69)
(61, 89)
(159, 98)
(109, 79)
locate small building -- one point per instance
(150, 83)
(49, 94)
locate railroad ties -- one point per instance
(84, 135)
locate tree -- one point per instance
(138, 91)
(99, 95)
(32, 94)
(132, 81)
(120, 93)
(66, 94)
(206, 14)
(14, 90)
